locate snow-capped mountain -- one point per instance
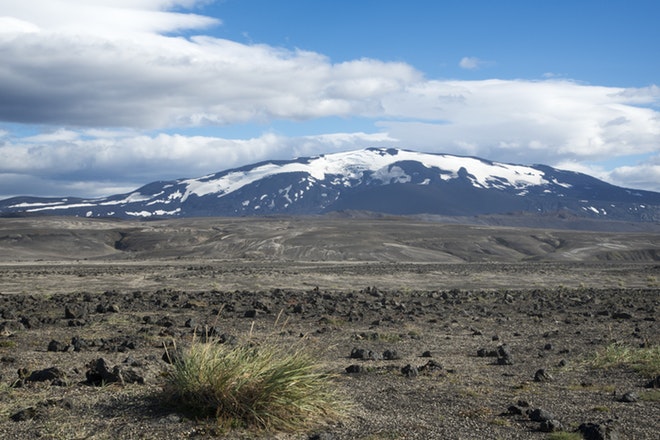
(381, 180)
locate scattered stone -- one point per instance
(24, 414)
(48, 374)
(430, 367)
(361, 353)
(654, 383)
(482, 352)
(621, 315)
(542, 376)
(629, 397)
(540, 415)
(99, 373)
(355, 368)
(427, 354)
(514, 410)
(39, 411)
(390, 355)
(504, 355)
(75, 312)
(8, 328)
(595, 431)
(57, 346)
(551, 426)
(409, 371)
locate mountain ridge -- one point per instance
(386, 180)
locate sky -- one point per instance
(99, 97)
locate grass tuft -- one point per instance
(253, 386)
(645, 361)
(564, 435)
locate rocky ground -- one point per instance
(420, 350)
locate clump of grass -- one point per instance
(253, 386)
(650, 396)
(645, 361)
(564, 435)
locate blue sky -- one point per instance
(99, 97)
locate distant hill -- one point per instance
(389, 181)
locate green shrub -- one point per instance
(253, 386)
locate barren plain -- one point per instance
(434, 330)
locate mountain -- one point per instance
(391, 181)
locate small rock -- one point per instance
(540, 415)
(353, 369)
(551, 426)
(595, 431)
(252, 313)
(427, 354)
(57, 346)
(482, 352)
(542, 376)
(629, 397)
(99, 373)
(75, 312)
(430, 367)
(390, 355)
(24, 414)
(504, 355)
(654, 383)
(52, 374)
(621, 315)
(409, 371)
(514, 410)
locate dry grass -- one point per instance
(260, 386)
(645, 361)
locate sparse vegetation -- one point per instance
(645, 360)
(563, 435)
(253, 386)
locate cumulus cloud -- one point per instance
(100, 74)
(80, 164)
(57, 72)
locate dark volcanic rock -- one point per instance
(551, 426)
(57, 346)
(355, 368)
(504, 356)
(595, 431)
(390, 355)
(542, 376)
(540, 415)
(75, 312)
(410, 371)
(629, 397)
(99, 373)
(54, 374)
(654, 383)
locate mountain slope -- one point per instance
(380, 180)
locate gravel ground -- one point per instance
(440, 325)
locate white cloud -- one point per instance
(643, 176)
(79, 164)
(98, 73)
(471, 63)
